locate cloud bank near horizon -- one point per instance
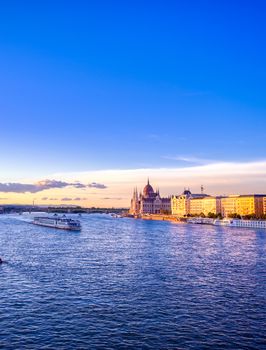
(217, 177)
(17, 187)
(97, 185)
(117, 184)
(39, 186)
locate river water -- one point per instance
(131, 284)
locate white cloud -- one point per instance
(190, 159)
(219, 177)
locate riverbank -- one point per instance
(205, 221)
(159, 217)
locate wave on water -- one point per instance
(131, 284)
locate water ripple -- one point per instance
(131, 284)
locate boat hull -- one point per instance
(68, 228)
(241, 223)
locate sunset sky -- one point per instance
(97, 96)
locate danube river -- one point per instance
(131, 284)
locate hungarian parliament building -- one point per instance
(187, 203)
(149, 202)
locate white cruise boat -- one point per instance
(55, 221)
(201, 221)
(241, 223)
(223, 222)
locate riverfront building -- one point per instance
(180, 205)
(149, 202)
(243, 205)
(205, 205)
(197, 204)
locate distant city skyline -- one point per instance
(105, 95)
(114, 187)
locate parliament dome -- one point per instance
(148, 190)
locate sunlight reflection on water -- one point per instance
(127, 284)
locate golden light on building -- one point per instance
(243, 205)
(195, 204)
(205, 205)
(179, 205)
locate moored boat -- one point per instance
(200, 221)
(241, 223)
(223, 222)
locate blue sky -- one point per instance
(90, 86)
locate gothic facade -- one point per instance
(149, 202)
